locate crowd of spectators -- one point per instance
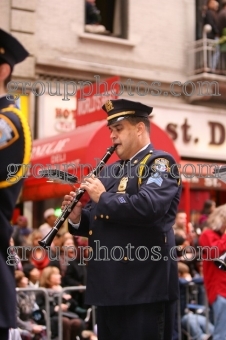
(198, 278)
(53, 269)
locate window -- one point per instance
(200, 9)
(200, 12)
(113, 17)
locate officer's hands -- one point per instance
(94, 187)
(75, 215)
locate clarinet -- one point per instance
(47, 240)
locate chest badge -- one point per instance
(122, 185)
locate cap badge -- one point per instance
(109, 106)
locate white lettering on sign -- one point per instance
(58, 158)
(92, 104)
(49, 148)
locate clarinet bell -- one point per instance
(221, 262)
(54, 175)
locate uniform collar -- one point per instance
(141, 154)
(140, 151)
(4, 102)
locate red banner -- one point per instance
(92, 97)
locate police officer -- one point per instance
(15, 148)
(132, 274)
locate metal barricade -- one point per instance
(44, 291)
(60, 297)
(195, 304)
(191, 301)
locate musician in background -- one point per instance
(214, 278)
(15, 148)
(132, 207)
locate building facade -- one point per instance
(151, 47)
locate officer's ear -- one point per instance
(5, 71)
(140, 128)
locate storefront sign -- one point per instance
(195, 134)
(55, 116)
(89, 108)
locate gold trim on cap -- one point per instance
(120, 114)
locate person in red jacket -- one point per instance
(214, 237)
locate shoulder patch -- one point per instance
(8, 132)
(161, 164)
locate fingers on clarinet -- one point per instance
(67, 198)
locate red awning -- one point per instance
(81, 147)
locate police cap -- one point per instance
(120, 109)
(11, 50)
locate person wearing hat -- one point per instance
(131, 273)
(50, 218)
(15, 148)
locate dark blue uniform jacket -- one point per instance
(15, 148)
(130, 234)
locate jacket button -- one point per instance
(107, 217)
(90, 249)
(90, 232)
(102, 216)
(125, 258)
(95, 217)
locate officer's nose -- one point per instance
(112, 136)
